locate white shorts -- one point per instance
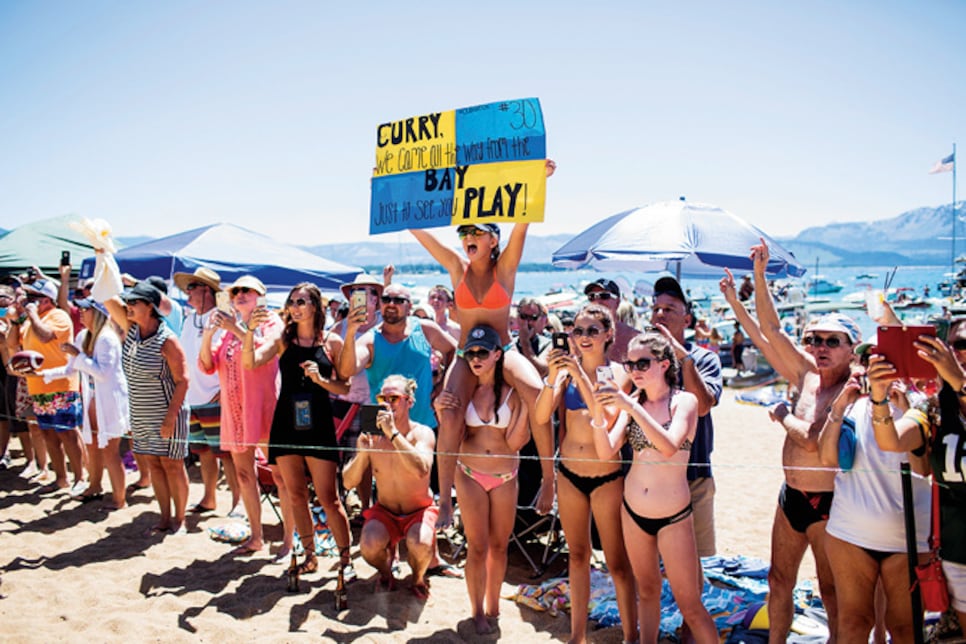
(956, 582)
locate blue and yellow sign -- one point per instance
(482, 164)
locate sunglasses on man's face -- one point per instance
(600, 295)
(589, 331)
(193, 286)
(394, 299)
(301, 301)
(476, 354)
(530, 318)
(817, 341)
(641, 364)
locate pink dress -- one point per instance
(248, 396)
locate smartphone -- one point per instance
(367, 419)
(262, 301)
(223, 302)
(65, 258)
(359, 297)
(561, 341)
(604, 374)
(895, 343)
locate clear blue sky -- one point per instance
(162, 116)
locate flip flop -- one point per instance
(87, 498)
(445, 570)
(197, 508)
(245, 550)
(134, 487)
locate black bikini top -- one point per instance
(639, 441)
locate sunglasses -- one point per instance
(240, 289)
(958, 345)
(641, 364)
(530, 318)
(471, 232)
(817, 341)
(144, 302)
(394, 299)
(193, 286)
(472, 354)
(600, 295)
(392, 399)
(589, 331)
(296, 302)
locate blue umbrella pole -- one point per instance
(908, 509)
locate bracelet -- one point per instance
(393, 436)
(884, 401)
(832, 417)
(546, 383)
(882, 421)
(596, 426)
(687, 357)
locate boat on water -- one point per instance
(820, 285)
(867, 276)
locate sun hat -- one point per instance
(483, 336)
(835, 323)
(43, 287)
(91, 303)
(202, 274)
(363, 280)
(248, 281)
(143, 291)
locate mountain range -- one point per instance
(919, 237)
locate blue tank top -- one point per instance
(409, 358)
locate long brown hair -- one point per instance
(318, 321)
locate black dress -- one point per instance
(302, 400)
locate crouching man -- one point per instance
(401, 456)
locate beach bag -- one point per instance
(929, 575)
(847, 444)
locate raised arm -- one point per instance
(793, 360)
(446, 256)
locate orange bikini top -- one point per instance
(496, 297)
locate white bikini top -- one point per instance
(500, 421)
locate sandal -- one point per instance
(311, 564)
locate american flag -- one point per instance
(944, 165)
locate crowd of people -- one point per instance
(405, 408)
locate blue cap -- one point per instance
(91, 303)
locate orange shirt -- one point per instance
(58, 321)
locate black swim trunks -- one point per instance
(804, 508)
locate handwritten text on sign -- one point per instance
(476, 164)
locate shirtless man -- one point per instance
(401, 457)
(608, 294)
(818, 372)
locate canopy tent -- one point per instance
(232, 251)
(40, 244)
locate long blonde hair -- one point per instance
(93, 331)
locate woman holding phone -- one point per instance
(247, 365)
(486, 472)
(587, 485)
(659, 422)
(303, 432)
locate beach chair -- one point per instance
(544, 530)
(266, 483)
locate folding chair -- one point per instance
(530, 526)
(266, 482)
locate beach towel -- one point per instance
(764, 397)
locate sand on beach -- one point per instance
(72, 572)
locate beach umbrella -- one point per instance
(690, 239)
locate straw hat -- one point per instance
(202, 274)
(363, 280)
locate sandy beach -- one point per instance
(71, 572)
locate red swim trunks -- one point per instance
(397, 525)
